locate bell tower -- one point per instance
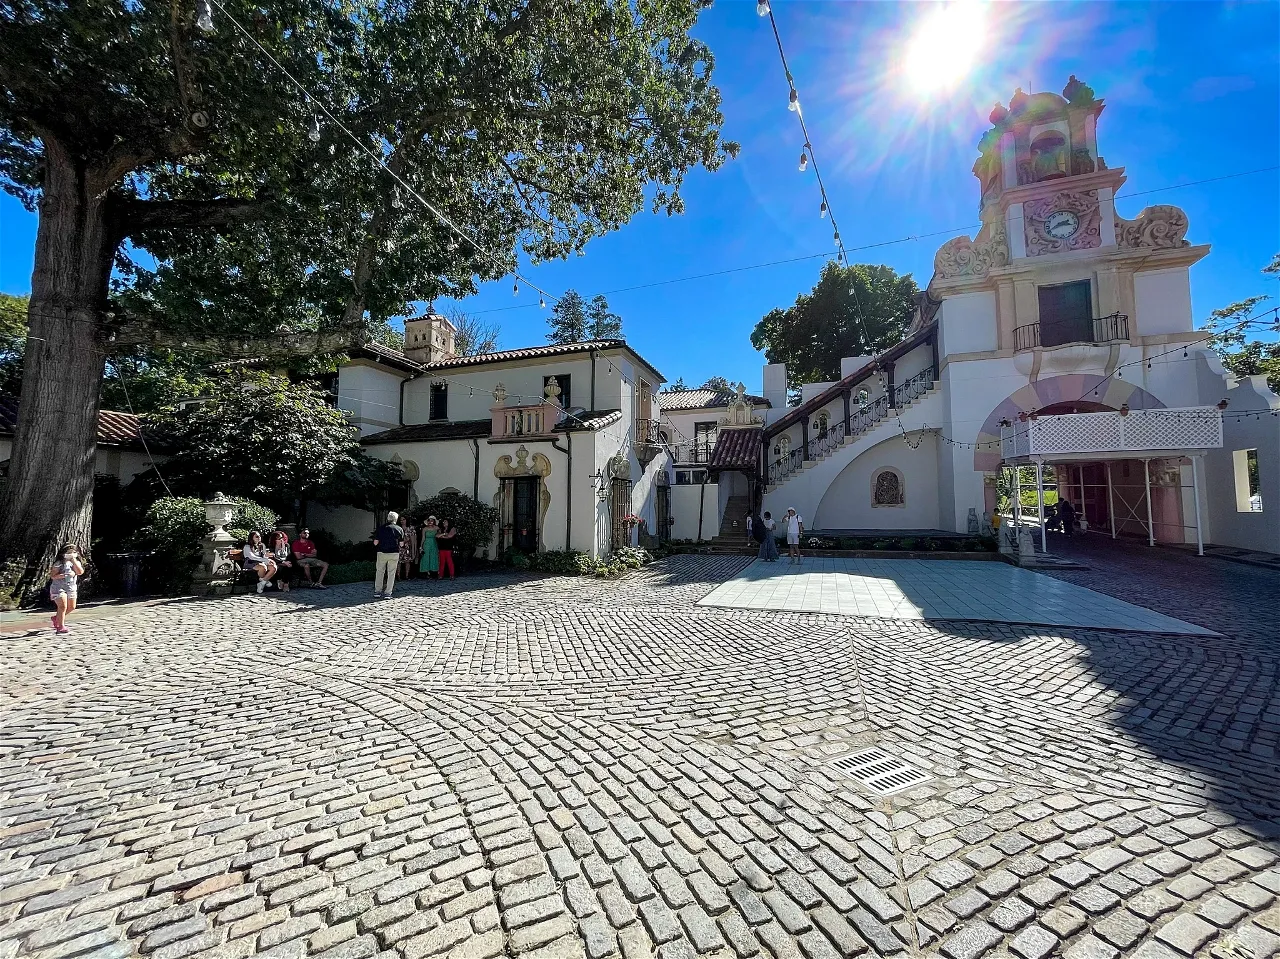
(1041, 176)
(429, 338)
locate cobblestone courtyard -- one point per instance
(562, 767)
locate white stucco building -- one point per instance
(1062, 337)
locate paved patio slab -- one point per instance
(917, 589)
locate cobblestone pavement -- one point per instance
(565, 768)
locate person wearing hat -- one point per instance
(793, 523)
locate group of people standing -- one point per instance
(429, 549)
(762, 530)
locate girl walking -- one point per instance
(429, 565)
(65, 573)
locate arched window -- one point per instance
(887, 488)
(1049, 156)
(822, 423)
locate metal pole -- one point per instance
(1017, 498)
(1195, 492)
(1111, 501)
(1044, 531)
(1146, 478)
(1082, 509)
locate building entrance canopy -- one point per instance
(1118, 435)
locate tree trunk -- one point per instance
(49, 495)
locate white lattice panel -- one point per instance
(1076, 433)
(1176, 429)
(1014, 441)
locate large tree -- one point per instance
(1235, 324)
(262, 225)
(853, 310)
(568, 320)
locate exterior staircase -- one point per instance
(731, 536)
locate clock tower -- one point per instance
(1042, 178)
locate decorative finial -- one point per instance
(499, 394)
(1077, 92)
(1018, 102)
(998, 114)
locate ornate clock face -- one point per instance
(1061, 224)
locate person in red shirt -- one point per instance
(305, 552)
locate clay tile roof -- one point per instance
(429, 432)
(114, 428)
(673, 400)
(385, 354)
(593, 420)
(737, 449)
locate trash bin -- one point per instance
(128, 570)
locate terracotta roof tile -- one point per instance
(431, 432)
(114, 428)
(593, 420)
(395, 358)
(737, 449)
(674, 400)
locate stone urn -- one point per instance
(216, 568)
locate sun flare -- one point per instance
(945, 46)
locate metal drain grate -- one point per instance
(880, 772)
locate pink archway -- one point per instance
(1091, 391)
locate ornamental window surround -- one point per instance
(888, 488)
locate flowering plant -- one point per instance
(631, 520)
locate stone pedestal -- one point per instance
(216, 573)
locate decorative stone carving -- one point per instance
(552, 391)
(1157, 227)
(740, 410)
(619, 467)
(499, 395)
(965, 257)
(887, 488)
(1083, 206)
(541, 468)
(1081, 162)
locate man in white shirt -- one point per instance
(794, 525)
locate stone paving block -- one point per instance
(1034, 942)
(1186, 933)
(972, 940)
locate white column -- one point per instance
(1146, 479)
(1195, 493)
(1015, 231)
(1111, 501)
(1017, 496)
(1044, 533)
(1082, 512)
(1107, 216)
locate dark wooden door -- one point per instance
(524, 515)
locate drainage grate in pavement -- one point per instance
(880, 772)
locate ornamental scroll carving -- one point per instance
(1157, 227)
(965, 257)
(505, 469)
(1087, 235)
(741, 412)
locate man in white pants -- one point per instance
(794, 525)
(387, 542)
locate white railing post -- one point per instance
(1044, 530)
(1195, 492)
(1146, 477)
(1111, 501)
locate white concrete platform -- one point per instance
(934, 589)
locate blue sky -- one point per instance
(1192, 91)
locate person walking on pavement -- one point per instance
(768, 544)
(387, 542)
(1067, 516)
(794, 525)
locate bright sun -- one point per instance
(945, 45)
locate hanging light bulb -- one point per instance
(396, 202)
(762, 7)
(1148, 364)
(542, 302)
(1184, 352)
(794, 103)
(515, 288)
(804, 161)
(836, 237)
(204, 15)
(822, 211)
(314, 134)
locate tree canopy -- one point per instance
(241, 213)
(827, 323)
(1233, 325)
(574, 320)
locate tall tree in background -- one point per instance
(1240, 354)
(824, 324)
(473, 335)
(568, 319)
(13, 342)
(267, 228)
(718, 383)
(601, 323)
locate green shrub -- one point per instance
(560, 562)
(336, 551)
(359, 571)
(475, 520)
(174, 529)
(520, 561)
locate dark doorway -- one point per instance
(1066, 313)
(662, 514)
(620, 509)
(524, 514)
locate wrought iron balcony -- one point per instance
(1121, 434)
(1105, 329)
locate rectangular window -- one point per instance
(1066, 313)
(562, 381)
(704, 441)
(439, 401)
(1248, 483)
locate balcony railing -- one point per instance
(693, 452)
(1131, 431)
(647, 432)
(515, 421)
(1106, 329)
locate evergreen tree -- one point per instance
(601, 324)
(568, 319)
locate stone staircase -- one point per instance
(888, 421)
(731, 536)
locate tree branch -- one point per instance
(135, 216)
(137, 332)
